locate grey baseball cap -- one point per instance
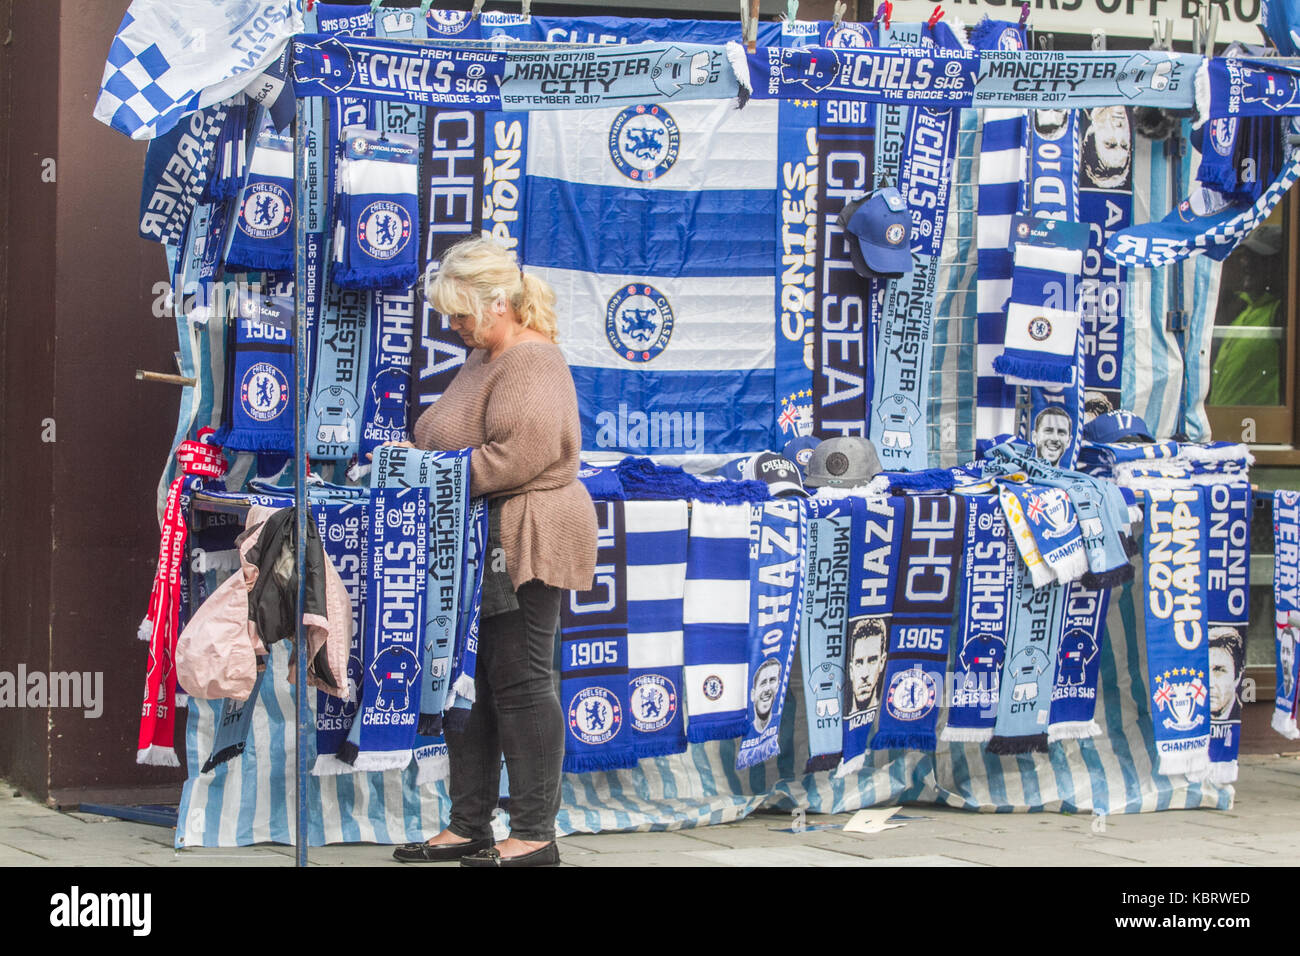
(842, 463)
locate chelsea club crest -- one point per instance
(643, 142)
(1040, 328)
(638, 322)
(383, 229)
(911, 695)
(264, 392)
(594, 715)
(653, 703)
(449, 22)
(266, 211)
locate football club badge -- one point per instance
(1223, 135)
(713, 687)
(644, 142)
(1050, 510)
(448, 22)
(266, 212)
(1180, 693)
(911, 694)
(653, 703)
(849, 36)
(638, 322)
(264, 392)
(594, 715)
(1040, 329)
(1010, 40)
(383, 229)
(797, 414)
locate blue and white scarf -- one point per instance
(464, 660)
(176, 170)
(988, 572)
(338, 387)
(377, 232)
(1042, 324)
(777, 556)
(345, 535)
(657, 535)
(877, 542)
(715, 611)
(261, 410)
(382, 736)
(229, 155)
(1176, 633)
(1286, 598)
(601, 482)
(263, 237)
(1103, 522)
(1078, 663)
(1024, 701)
(824, 623)
(388, 376)
(1054, 524)
(236, 720)
(594, 659)
(1227, 579)
(921, 623)
(1100, 459)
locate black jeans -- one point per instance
(517, 712)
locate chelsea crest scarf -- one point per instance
(376, 239)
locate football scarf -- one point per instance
(1025, 697)
(601, 482)
(338, 385)
(1102, 525)
(1286, 597)
(657, 535)
(1041, 336)
(1052, 521)
(1001, 171)
(176, 168)
(988, 581)
(445, 476)
(388, 377)
(715, 616)
(344, 533)
(199, 460)
(263, 237)
(775, 588)
(229, 156)
(1040, 574)
(382, 736)
(921, 623)
(1078, 662)
(1217, 169)
(823, 621)
(1227, 578)
(376, 237)
(594, 658)
(1176, 638)
(1100, 459)
(876, 545)
(261, 413)
(236, 720)
(464, 660)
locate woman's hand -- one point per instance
(395, 444)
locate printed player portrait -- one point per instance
(868, 647)
(1051, 434)
(1225, 650)
(1106, 151)
(762, 693)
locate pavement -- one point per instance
(1262, 829)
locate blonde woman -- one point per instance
(513, 402)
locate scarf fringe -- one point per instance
(430, 725)
(224, 755)
(1013, 746)
(328, 765)
(852, 765)
(1098, 580)
(1201, 88)
(1071, 568)
(156, 756)
(590, 762)
(379, 762)
(924, 742)
(1222, 773)
(145, 631)
(243, 439)
(739, 66)
(928, 480)
(455, 720)
(821, 762)
(357, 277)
(760, 754)
(642, 479)
(1285, 725)
(1214, 453)
(701, 733)
(261, 260)
(659, 748)
(1189, 764)
(966, 735)
(1042, 373)
(1073, 730)
(464, 688)
(432, 770)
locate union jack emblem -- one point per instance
(1035, 510)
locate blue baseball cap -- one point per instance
(799, 451)
(1117, 426)
(881, 243)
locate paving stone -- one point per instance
(638, 860)
(680, 840)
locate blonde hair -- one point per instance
(475, 273)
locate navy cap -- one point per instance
(1117, 426)
(881, 246)
(780, 473)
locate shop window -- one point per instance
(1253, 343)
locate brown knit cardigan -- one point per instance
(519, 414)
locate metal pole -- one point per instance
(300, 463)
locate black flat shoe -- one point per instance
(548, 855)
(439, 853)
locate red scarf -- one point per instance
(198, 460)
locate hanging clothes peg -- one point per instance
(1024, 14)
(792, 10)
(375, 5)
(935, 17)
(889, 13)
(473, 13)
(526, 8)
(751, 39)
(838, 15)
(1211, 31)
(1099, 40)
(425, 6)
